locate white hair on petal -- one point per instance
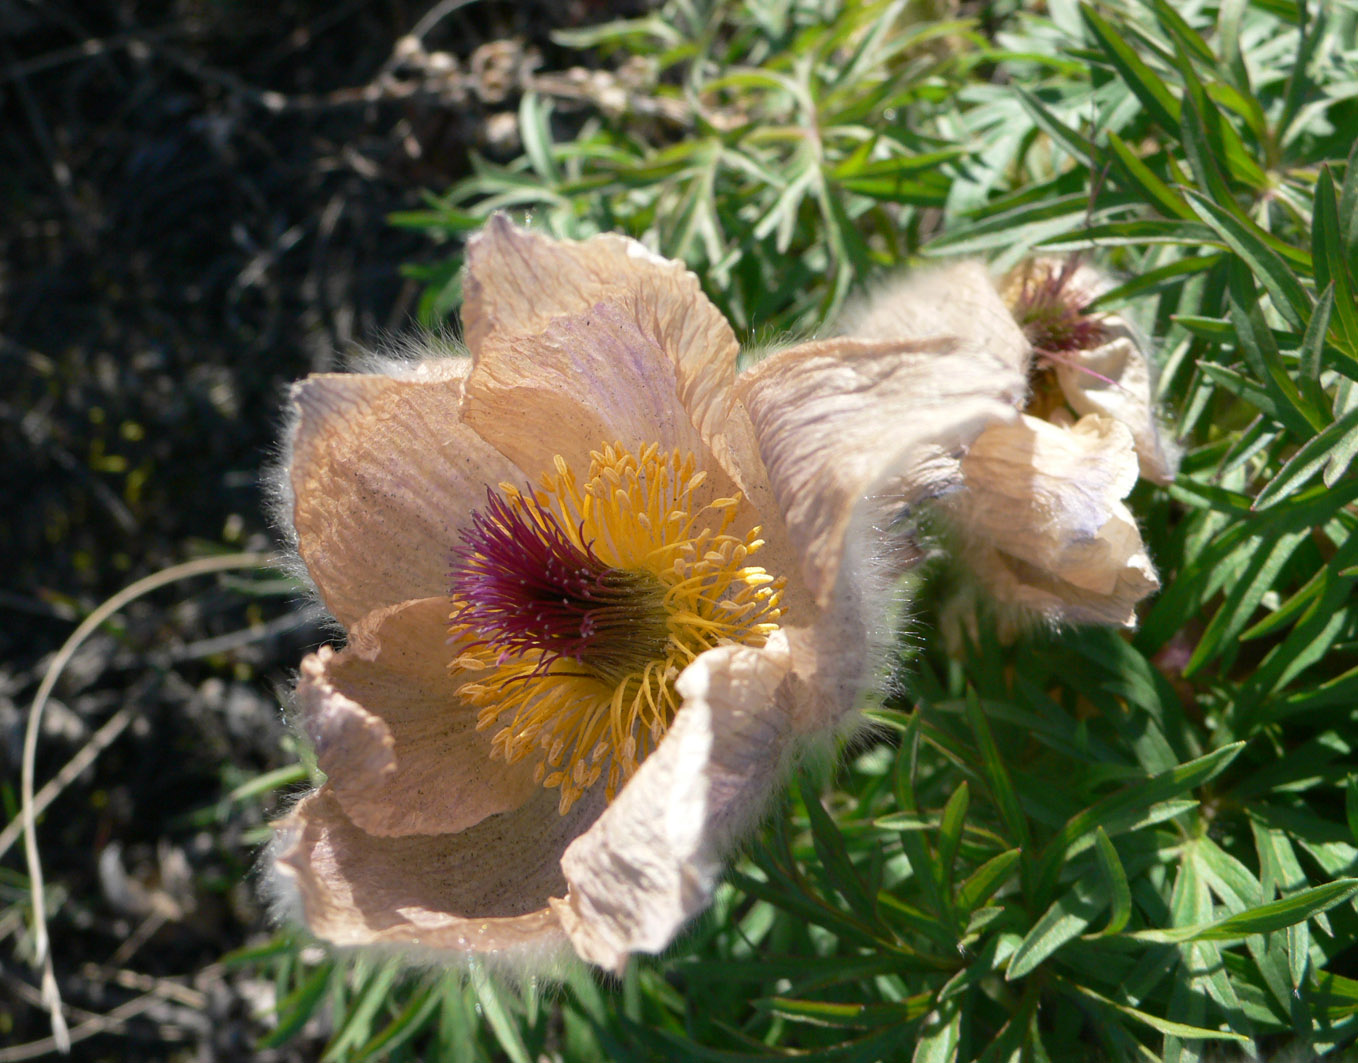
(546, 962)
(419, 356)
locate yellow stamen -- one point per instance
(679, 576)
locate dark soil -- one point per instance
(193, 205)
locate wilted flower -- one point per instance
(1039, 524)
(597, 588)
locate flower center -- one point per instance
(580, 604)
(1049, 308)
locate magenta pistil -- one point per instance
(525, 588)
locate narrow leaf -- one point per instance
(1246, 240)
(1264, 919)
(1351, 804)
(297, 1008)
(1117, 810)
(1164, 1026)
(1119, 892)
(1340, 438)
(1148, 87)
(950, 834)
(982, 883)
(1078, 146)
(997, 775)
(1067, 918)
(1332, 269)
(1147, 183)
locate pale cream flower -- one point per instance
(1099, 360)
(1039, 526)
(597, 589)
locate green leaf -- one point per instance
(1348, 210)
(409, 1022)
(506, 1029)
(358, 1017)
(1078, 146)
(1208, 496)
(1351, 805)
(535, 115)
(1162, 278)
(1258, 564)
(1340, 438)
(1124, 809)
(297, 1008)
(1255, 343)
(1066, 919)
(1149, 88)
(900, 913)
(996, 774)
(1184, 34)
(1261, 920)
(1332, 267)
(1164, 1026)
(939, 1040)
(834, 857)
(916, 179)
(1244, 387)
(1311, 353)
(1147, 184)
(981, 885)
(1247, 240)
(1120, 894)
(857, 1016)
(950, 834)
(1202, 136)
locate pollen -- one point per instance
(577, 604)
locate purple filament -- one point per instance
(524, 587)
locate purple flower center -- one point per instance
(1050, 310)
(528, 589)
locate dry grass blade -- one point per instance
(42, 958)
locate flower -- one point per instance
(598, 589)
(1039, 526)
(1099, 361)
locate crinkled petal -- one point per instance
(402, 752)
(652, 860)
(482, 890)
(1044, 524)
(835, 419)
(1118, 380)
(384, 474)
(958, 301)
(584, 380)
(580, 344)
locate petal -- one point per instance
(485, 889)
(1118, 379)
(842, 421)
(600, 341)
(384, 474)
(1044, 524)
(958, 301)
(401, 751)
(652, 860)
(583, 380)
